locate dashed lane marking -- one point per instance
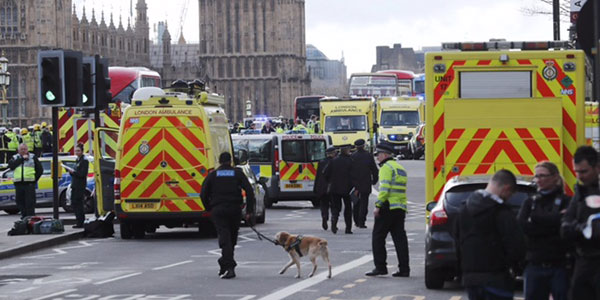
(360, 280)
(336, 292)
(172, 265)
(118, 278)
(349, 285)
(55, 294)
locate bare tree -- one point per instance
(544, 7)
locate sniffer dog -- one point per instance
(297, 246)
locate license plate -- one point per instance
(142, 205)
(399, 147)
(293, 185)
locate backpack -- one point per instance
(19, 228)
(101, 227)
(48, 226)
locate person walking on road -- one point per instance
(27, 169)
(581, 225)
(365, 174)
(321, 188)
(222, 194)
(489, 240)
(540, 217)
(78, 185)
(390, 213)
(338, 175)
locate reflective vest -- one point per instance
(14, 142)
(311, 126)
(25, 172)
(279, 130)
(300, 127)
(392, 185)
(37, 139)
(28, 140)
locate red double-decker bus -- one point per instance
(405, 81)
(126, 80)
(306, 106)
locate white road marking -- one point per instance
(246, 297)
(55, 294)
(173, 265)
(26, 290)
(61, 251)
(15, 266)
(118, 278)
(306, 283)
(455, 298)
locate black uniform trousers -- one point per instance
(361, 209)
(325, 201)
(336, 208)
(227, 220)
(77, 200)
(391, 221)
(25, 198)
(585, 283)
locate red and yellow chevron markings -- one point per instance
(297, 171)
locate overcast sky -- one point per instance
(356, 27)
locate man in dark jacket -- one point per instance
(585, 283)
(365, 174)
(321, 184)
(27, 171)
(489, 240)
(338, 175)
(46, 137)
(222, 194)
(78, 185)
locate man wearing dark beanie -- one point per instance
(222, 195)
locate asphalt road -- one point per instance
(179, 264)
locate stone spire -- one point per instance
(83, 17)
(120, 23)
(94, 17)
(102, 23)
(112, 23)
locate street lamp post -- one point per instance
(4, 83)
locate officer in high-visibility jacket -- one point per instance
(390, 213)
(27, 169)
(4, 141)
(27, 138)
(13, 144)
(37, 140)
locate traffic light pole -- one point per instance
(55, 196)
(596, 87)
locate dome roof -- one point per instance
(313, 53)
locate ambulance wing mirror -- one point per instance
(430, 206)
(241, 156)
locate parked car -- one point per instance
(441, 263)
(417, 142)
(260, 210)
(44, 194)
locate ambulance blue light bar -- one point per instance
(504, 45)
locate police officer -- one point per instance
(365, 174)
(78, 185)
(221, 193)
(321, 186)
(341, 186)
(46, 137)
(390, 213)
(27, 138)
(27, 169)
(37, 140)
(4, 141)
(299, 126)
(585, 283)
(14, 142)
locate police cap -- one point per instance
(384, 148)
(346, 146)
(330, 150)
(359, 143)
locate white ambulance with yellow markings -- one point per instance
(168, 142)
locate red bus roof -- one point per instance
(400, 74)
(121, 77)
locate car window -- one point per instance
(259, 150)
(457, 195)
(46, 164)
(293, 151)
(315, 149)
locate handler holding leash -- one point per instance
(222, 195)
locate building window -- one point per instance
(9, 17)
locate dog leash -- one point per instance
(261, 236)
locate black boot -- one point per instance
(334, 226)
(324, 224)
(230, 273)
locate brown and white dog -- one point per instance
(310, 246)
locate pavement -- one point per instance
(18, 244)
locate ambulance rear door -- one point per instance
(105, 151)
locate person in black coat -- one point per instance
(489, 240)
(338, 175)
(585, 283)
(46, 140)
(222, 196)
(321, 186)
(267, 128)
(547, 255)
(365, 174)
(78, 185)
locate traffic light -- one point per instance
(60, 75)
(51, 83)
(88, 97)
(103, 94)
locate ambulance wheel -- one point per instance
(315, 203)
(125, 228)
(139, 230)
(11, 211)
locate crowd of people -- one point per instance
(37, 137)
(280, 126)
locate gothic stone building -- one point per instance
(28, 26)
(254, 50)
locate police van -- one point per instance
(168, 142)
(285, 163)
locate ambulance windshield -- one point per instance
(400, 118)
(345, 123)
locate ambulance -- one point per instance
(502, 105)
(397, 121)
(347, 120)
(592, 135)
(167, 143)
(285, 163)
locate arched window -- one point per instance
(9, 17)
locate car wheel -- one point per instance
(125, 228)
(268, 201)
(90, 203)
(11, 211)
(434, 279)
(63, 202)
(139, 230)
